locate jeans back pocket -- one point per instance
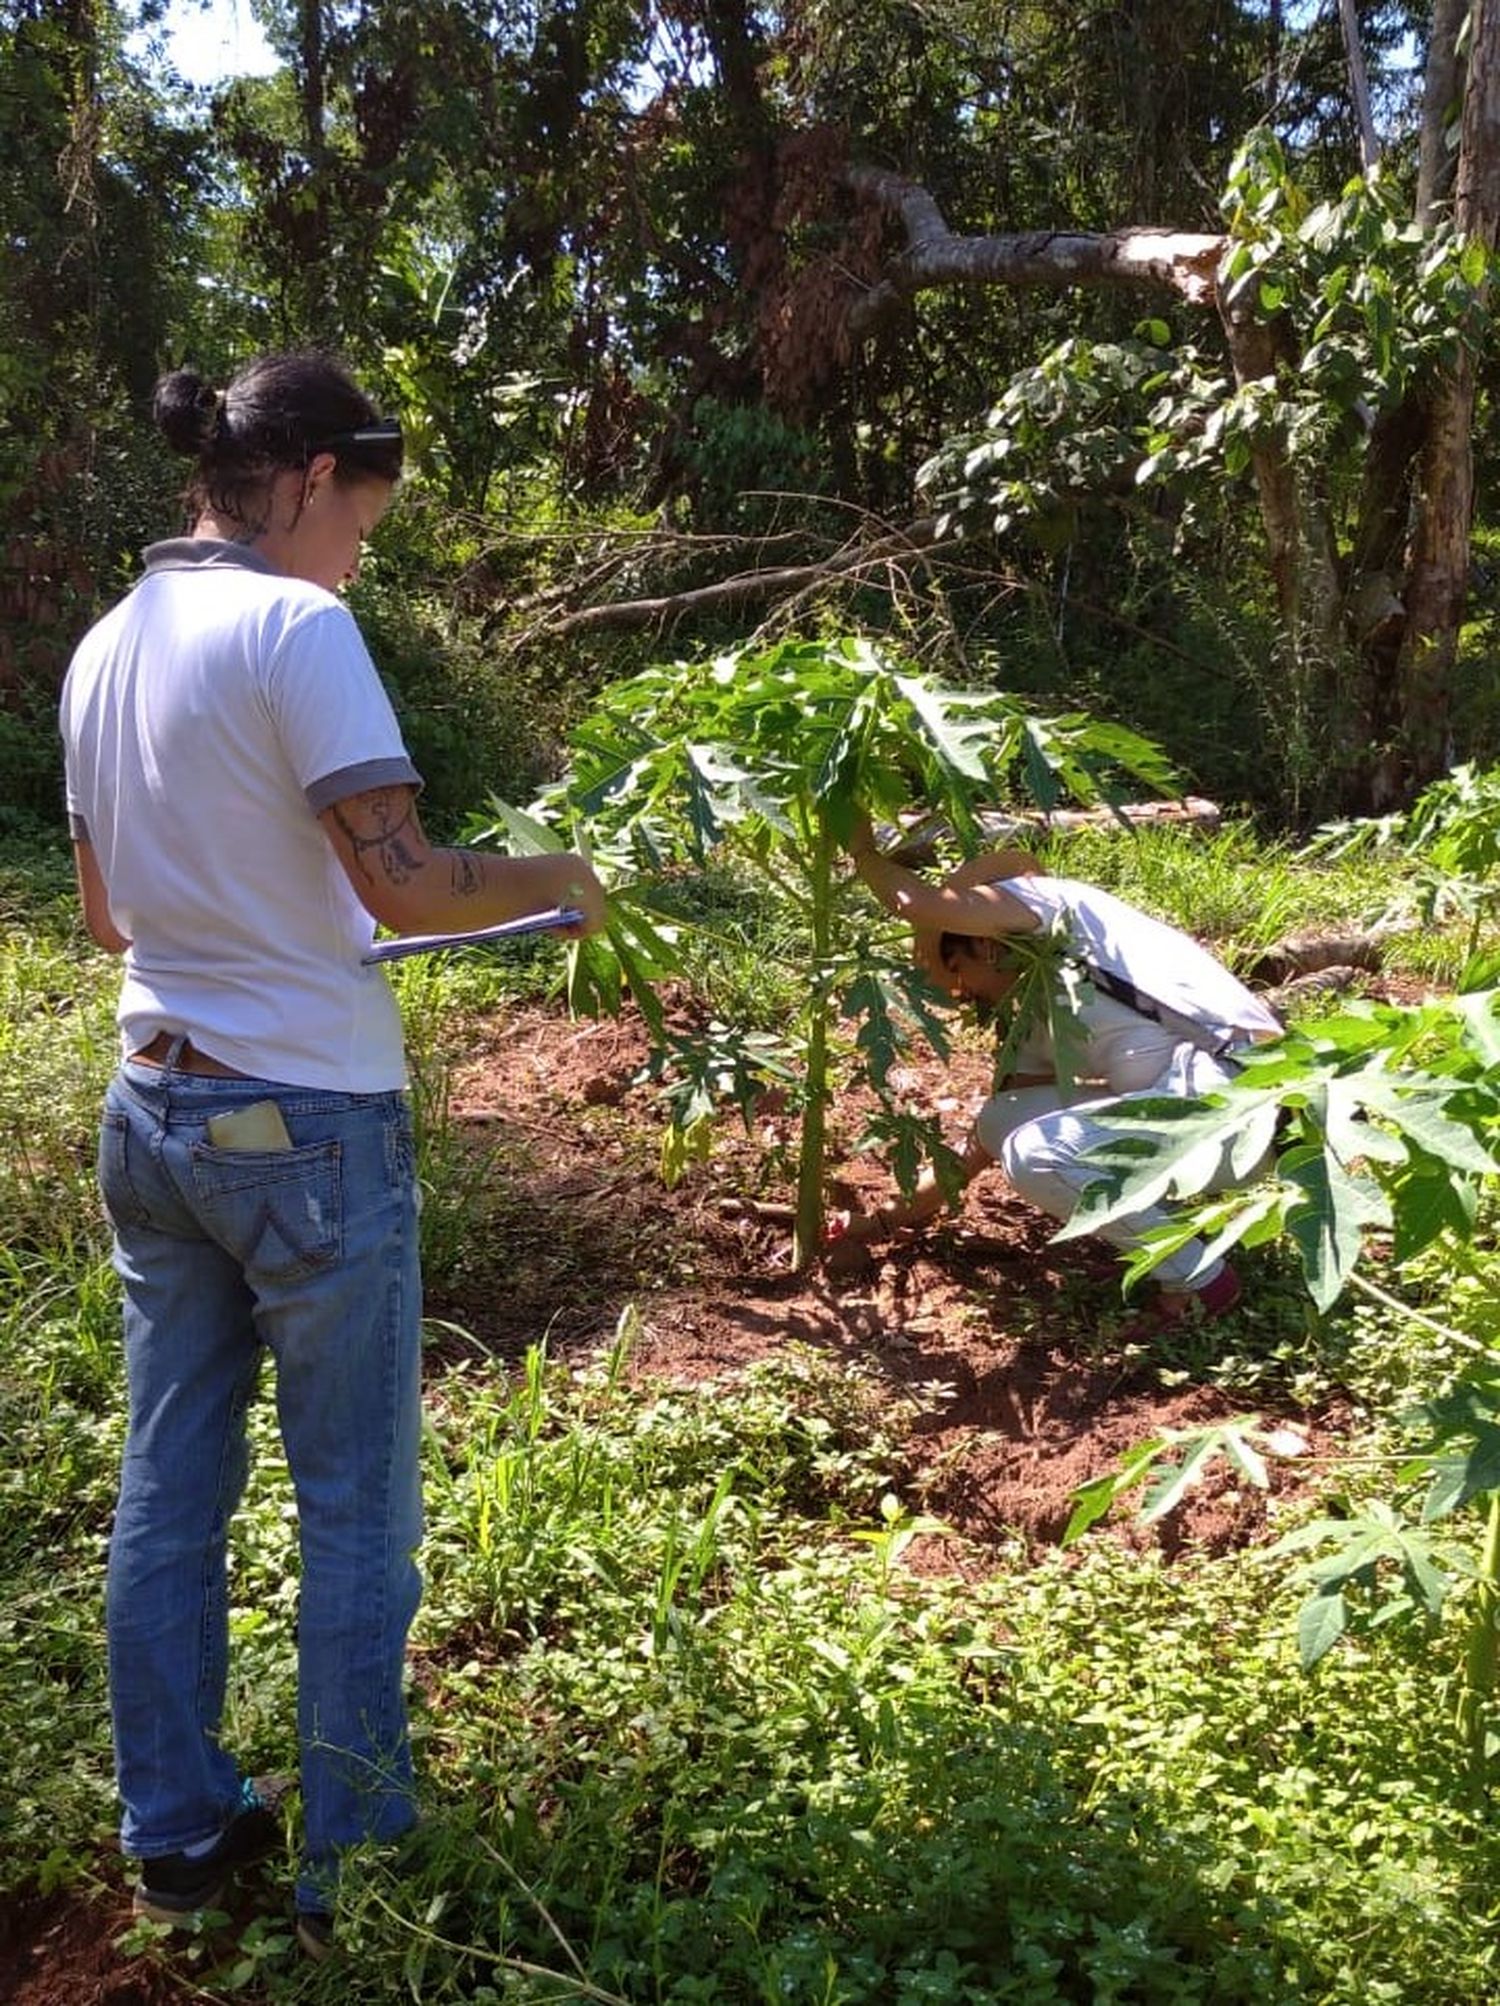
(279, 1212)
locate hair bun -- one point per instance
(187, 411)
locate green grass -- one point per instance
(1241, 894)
(690, 1727)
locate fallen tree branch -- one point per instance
(1182, 261)
(918, 538)
(919, 843)
(1298, 955)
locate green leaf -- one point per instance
(646, 954)
(528, 836)
(1427, 1202)
(955, 739)
(1327, 1223)
(1093, 1499)
(1197, 1452)
(876, 1033)
(1166, 1148)
(1418, 1109)
(1321, 1621)
(1247, 1459)
(1457, 1479)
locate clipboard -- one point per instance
(430, 943)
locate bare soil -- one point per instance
(1013, 1357)
(1009, 1357)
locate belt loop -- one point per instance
(174, 1054)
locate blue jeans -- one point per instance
(310, 1254)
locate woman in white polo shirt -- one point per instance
(1161, 1017)
(244, 813)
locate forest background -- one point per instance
(1127, 356)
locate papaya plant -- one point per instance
(1382, 1120)
(764, 758)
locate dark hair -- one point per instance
(277, 412)
(951, 945)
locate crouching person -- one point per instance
(1159, 1016)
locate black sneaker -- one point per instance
(315, 1934)
(175, 1886)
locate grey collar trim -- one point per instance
(202, 553)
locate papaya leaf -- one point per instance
(595, 977)
(1093, 1499)
(957, 739)
(1481, 1025)
(683, 1146)
(876, 1034)
(1416, 1108)
(1162, 1147)
(1196, 1453)
(1458, 1478)
(527, 834)
(1427, 1201)
(1327, 1222)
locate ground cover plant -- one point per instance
(742, 1674)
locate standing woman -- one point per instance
(243, 812)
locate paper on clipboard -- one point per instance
(427, 943)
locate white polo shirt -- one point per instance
(207, 720)
(1194, 995)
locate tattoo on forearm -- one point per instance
(467, 878)
(389, 815)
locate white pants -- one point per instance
(1039, 1136)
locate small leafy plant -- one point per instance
(1381, 1121)
(1452, 833)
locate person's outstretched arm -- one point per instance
(929, 1198)
(406, 884)
(980, 911)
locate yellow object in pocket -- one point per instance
(257, 1127)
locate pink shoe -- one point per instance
(1216, 1298)
(1175, 1307)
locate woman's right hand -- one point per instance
(586, 895)
(862, 836)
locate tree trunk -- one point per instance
(1442, 91)
(312, 89)
(1437, 580)
(1359, 86)
(1313, 659)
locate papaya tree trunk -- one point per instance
(807, 1229)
